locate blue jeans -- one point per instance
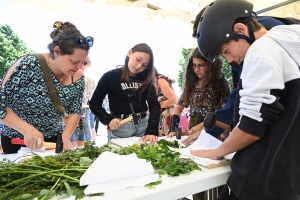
(129, 129)
(92, 120)
(77, 135)
(84, 134)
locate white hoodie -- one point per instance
(270, 62)
(269, 108)
(289, 38)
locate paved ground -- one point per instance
(102, 134)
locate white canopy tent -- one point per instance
(116, 25)
(185, 10)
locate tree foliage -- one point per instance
(11, 48)
(227, 70)
(183, 61)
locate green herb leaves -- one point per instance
(45, 177)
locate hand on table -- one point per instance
(195, 129)
(191, 138)
(67, 142)
(205, 154)
(151, 138)
(33, 138)
(114, 124)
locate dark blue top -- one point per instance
(269, 22)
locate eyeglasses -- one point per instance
(79, 39)
(200, 66)
(140, 61)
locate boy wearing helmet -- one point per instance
(266, 130)
(225, 114)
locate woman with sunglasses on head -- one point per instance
(26, 107)
(131, 92)
(205, 90)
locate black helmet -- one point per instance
(216, 25)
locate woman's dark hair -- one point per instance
(214, 79)
(148, 83)
(66, 46)
(156, 72)
(256, 26)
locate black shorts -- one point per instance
(226, 194)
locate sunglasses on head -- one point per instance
(79, 39)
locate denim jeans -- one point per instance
(128, 129)
(92, 120)
(77, 135)
(84, 134)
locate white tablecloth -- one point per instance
(171, 187)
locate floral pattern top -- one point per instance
(205, 106)
(26, 93)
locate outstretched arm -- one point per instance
(237, 140)
(30, 133)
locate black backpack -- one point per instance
(288, 20)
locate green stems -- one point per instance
(52, 173)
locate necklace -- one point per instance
(60, 78)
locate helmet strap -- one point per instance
(250, 39)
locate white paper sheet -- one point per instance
(116, 185)
(25, 152)
(110, 166)
(171, 139)
(205, 142)
(126, 142)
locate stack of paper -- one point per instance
(205, 142)
(112, 172)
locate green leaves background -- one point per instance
(11, 48)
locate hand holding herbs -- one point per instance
(46, 177)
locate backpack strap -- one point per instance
(288, 20)
(50, 85)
